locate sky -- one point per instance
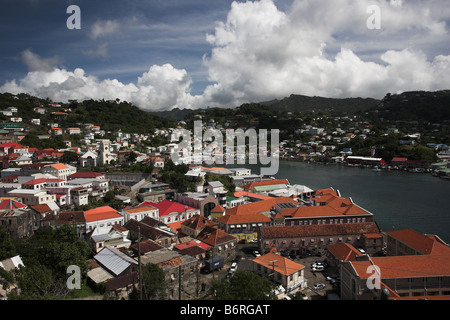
(162, 54)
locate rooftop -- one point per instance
(278, 263)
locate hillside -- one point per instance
(109, 115)
(294, 103)
(300, 103)
(415, 106)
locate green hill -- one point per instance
(416, 106)
(109, 115)
(300, 103)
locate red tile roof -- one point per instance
(319, 230)
(278, 263)
(258, 206)
(218, 209)
(101, 213)
(35, 181)
(197, 222)
(239, 194)
(406, 266)
(265, 183)
(166, 207)
(213, 237)
(422, 243)
(344, 251)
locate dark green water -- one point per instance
(397, 199)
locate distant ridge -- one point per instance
(300, 103)
(293, 103)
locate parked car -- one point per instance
(304, 255)
(256, 253)
(318, 286)
(317, 268)
(233, 267)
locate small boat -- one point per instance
(376, 169)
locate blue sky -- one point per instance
(161, 54)
(148, 32)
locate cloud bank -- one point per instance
(260, 52)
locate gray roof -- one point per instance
(215, 184)
(114, 260)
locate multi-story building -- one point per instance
(281, 270)
(404, 276)
(102, 218)
(314, 238)
(59, 170)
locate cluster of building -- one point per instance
(180, 231)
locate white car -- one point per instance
(317, 268)
(318, 286)
(233, 267)
(256, 253)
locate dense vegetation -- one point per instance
(109, 115)
(46, 256)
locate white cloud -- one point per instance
(314, 47)
(101, 51)
(262, 53)
(103, 28)
(162, 87)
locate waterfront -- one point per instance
(397, 199)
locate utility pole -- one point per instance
(139, 263)
(273, 269)
(179, 282)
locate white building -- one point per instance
(59, 170)
(102, 219)
(140, 213)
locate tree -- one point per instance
(7, 248)
(131, 157)
(255, 288)
(69, 156)
(154, 285)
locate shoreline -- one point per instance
(375, 168)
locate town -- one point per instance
(142, 226)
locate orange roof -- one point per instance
(265, 183)
(213, 168)
(140, 209)
(218, 209)
(59, 166)
(239, 194)
(35, 181)
(175, 225)
(101, 213)
(344, 251)
(213, 237)
(278, 263)
(258, 206)
(422, 243)
(406, 266)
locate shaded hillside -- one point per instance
(300, 103)
(113, 116)
(175, 114)
(109, 115)
(416, 106)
